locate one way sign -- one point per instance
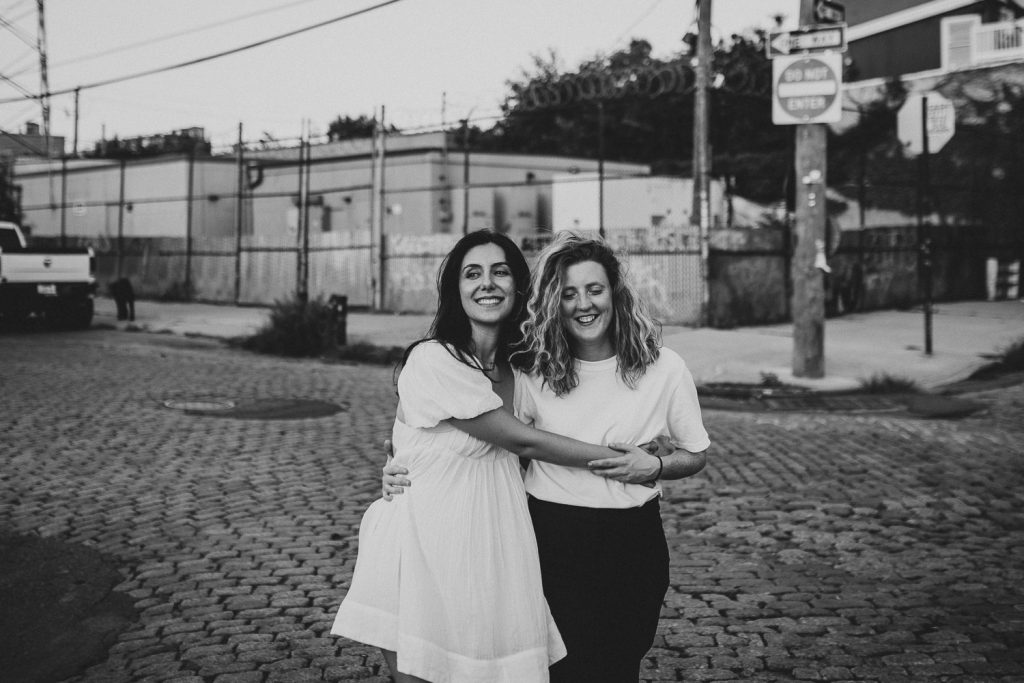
(808, 39)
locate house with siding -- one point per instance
(929, 43)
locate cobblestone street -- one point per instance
(814, 547)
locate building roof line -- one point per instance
(904, 17)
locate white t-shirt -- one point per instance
(602, 409)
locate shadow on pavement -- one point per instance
(60, 613)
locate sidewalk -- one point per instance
(857, 346)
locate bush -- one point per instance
(887, 384)
(295, 328)
(1012, 357)
(308, 329)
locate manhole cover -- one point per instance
(202, 406)
(259, 408)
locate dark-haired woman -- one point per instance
(447, 581)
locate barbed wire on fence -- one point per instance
(650, 81)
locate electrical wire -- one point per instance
(177, 34)
(13, 5)
(19, 140)
(17, 33)
(622, 36)
(208, 58)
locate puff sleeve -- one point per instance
(435, 386)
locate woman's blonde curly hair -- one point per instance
(546, 350)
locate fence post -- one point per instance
(120, 220)
(63, 199)
(239, 219)
(188, 224)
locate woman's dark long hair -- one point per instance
(451, 324)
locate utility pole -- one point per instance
(701, 215)
(808, 305)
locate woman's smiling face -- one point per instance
(486, 285)
(587, 310)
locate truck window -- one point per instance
(9, 240)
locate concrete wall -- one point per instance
(84, 199)
(871, 269)
(629, 202)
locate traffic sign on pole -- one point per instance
(941, 122)
(829, 12)
(807, 89)
(806, 39)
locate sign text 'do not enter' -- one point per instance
(807, 89)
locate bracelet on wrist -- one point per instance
(661, 466)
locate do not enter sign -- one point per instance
(807, 89)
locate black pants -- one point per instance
(605, 574)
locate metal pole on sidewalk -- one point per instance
(923, 237)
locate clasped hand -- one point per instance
(634, 466)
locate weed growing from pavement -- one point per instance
(309, 329)
(1007, 361)
(885, 383)
(1012, 357)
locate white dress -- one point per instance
(447, 573)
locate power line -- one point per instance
(17, 139)
(17, 32)
(636, 23)
(13, 5)
(207, 58)
(177, 34)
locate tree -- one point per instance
(348, 128)
(187, 141)
(644, 106)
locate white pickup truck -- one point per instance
(56, 284)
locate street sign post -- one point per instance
(914, 119)
(829, 12)
(806, 39)
(807, 88)
(924, 124)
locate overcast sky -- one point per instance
(415, 57)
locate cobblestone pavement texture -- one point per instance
(814, 547)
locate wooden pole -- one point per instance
(809, 237)
(701, 215)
